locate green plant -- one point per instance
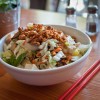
(6, 5)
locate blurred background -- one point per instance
(60, 5)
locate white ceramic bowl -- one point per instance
(50, 76)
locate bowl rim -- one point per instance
(52, 69)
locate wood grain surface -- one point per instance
(10, 89)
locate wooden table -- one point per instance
(10, 89)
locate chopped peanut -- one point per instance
(22, 37)
(38, 54)
(53, 53)
(33, 61)
(69, 57)
(57, 49)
